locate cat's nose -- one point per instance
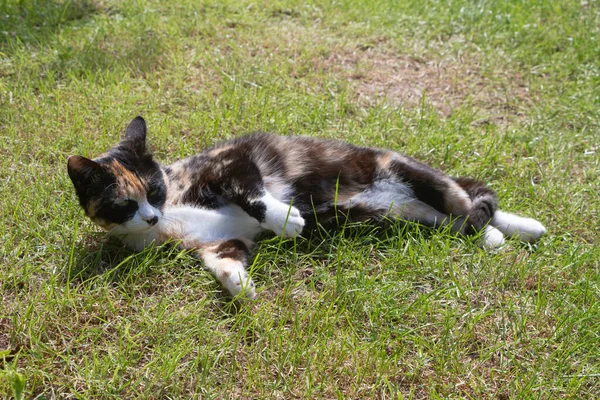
(152, 221)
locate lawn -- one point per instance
(506, 91)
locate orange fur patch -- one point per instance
(104, 224)
(129, 184)
(457, 200)
(219, 150)
(385, 159)
(90, 209)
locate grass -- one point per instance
(505, 91)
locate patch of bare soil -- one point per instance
(378, 75)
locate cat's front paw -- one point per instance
(239, 282)
(284, 220)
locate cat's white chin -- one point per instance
(135, 234)
(138, 224)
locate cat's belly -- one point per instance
(197, 225)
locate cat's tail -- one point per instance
(484, 203)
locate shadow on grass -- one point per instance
(35, 21)
(33, 26)
(319, 241)
(137, 53)
(107, 260)
(101, 260)
(95, 256)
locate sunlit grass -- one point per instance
(503, 91)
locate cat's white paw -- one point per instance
(526, 229)
(283, 219)
(492, 238)
(237, 282)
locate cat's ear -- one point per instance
(135, 135)
(82, 170)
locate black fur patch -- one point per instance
(485, 203)
(348, 175)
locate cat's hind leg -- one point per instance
(525, 229)
(395, 199)
(227, 261)
(420, 212)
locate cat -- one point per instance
(215, 203)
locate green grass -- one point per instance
(508, 92)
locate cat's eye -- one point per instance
(155, 194)
(122, 202)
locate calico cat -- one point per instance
(216, 202)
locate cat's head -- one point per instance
(123, 189)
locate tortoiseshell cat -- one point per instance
(215, 203)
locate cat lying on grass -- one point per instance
(215, 203)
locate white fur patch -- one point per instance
(384, 194)
(526, 229)
(136, 232)
(191, 223)
(231, 274)
(146, 211)
(204, 225)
